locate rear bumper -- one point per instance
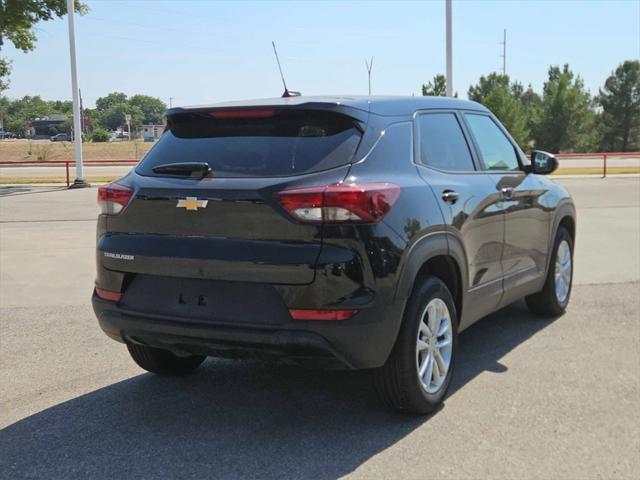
(364, 341)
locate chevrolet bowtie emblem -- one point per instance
(192, 203)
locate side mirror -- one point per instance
(543, 163)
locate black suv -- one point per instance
(360, 232)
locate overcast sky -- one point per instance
(207, 51)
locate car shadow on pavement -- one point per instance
(14, 190)
(236, 419)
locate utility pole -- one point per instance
(81, 112)
(127, 118)
(449, 50)
(79, 182)
(369, 67)
(504, 52)
(170, 102)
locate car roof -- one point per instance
(380, 105)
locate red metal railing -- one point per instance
(563, 156)
(604, 155)
(67, 164)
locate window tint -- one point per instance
(495, 148)
(261, 143)
(442, 144)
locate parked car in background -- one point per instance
(119, 136)
(7, 135)
(357, 232)
(61, 137)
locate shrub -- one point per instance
(100, 135)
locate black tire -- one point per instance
(546, 302)
(397, 382)
(163, 362)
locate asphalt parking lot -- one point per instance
(531, 397)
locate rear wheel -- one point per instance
(417, 374)
(554, 296)
(163, 362)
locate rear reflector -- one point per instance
(342, 203)
(113, 197)
(244, 113)
(299, 314)
(108, 295)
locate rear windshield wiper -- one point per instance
(185, 169)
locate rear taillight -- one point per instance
(108, 295)
(303, 314)
(342, 203)
(113, 197)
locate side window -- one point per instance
(495, 148)
(442, 143)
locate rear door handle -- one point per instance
(507, 192)
(450, 196)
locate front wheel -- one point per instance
(554, 296)
(417, 374)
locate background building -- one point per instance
(45, 127)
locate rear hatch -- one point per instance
(227, 224)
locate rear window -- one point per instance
(256, 143)
(442, 143)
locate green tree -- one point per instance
(532, 103)
(620, 101)
(115, 98)
(18, 17)
(5, 70)
(152, 108)
(64, 107)
(486, 85)
(31, 106)
(530, 99)
(100, 135)
(114, 117)
(4, 103)
(95, 117)
(499, 95)
(567, 122)
(67, 126)
(19, 112)
(436, 88)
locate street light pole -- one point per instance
(449, 49)
(504, 52)
(79, 182)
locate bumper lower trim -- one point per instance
(363, 341)
(221, 341)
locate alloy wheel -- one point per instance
(563, 271)
(434, 345)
